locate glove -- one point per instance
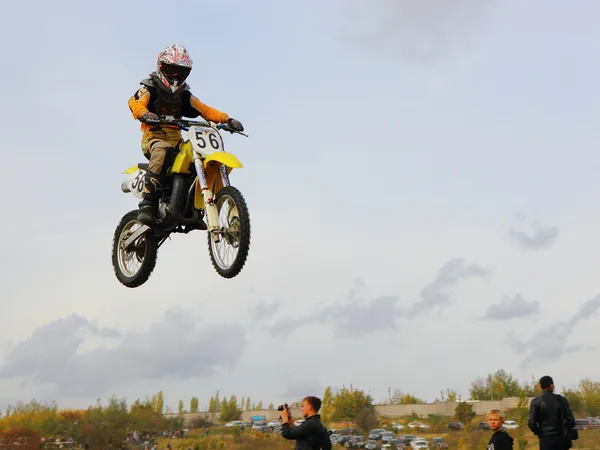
(235, 124)
(148, 116)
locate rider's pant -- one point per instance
(160, 147)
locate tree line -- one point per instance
(98, 426)
(105, 424)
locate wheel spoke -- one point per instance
(229, 254)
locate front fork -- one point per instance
(212, 214)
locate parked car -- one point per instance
(376, 433)
(419, 444)
(458, 426)
(408, 438)
(235, 423)
(258, 424)
(355, 442)
(334, 438)
(584, 424)
(484, 426)
(439, 443)
(510, 425)
(387, 436)
(397, 426)
(397, 444)
(342, 439)
(370, 445)
(349, 431)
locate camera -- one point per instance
(282, 407)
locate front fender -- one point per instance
(227, 159)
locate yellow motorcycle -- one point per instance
(198, 190)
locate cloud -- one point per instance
(353, 317)
(512, 308)
(435, 294)
(297, 388)
(551, 342)
(357, 317)
(530, 234)
(263, 310)
(416, 30)
(180, 346)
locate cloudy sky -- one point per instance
(422, 179)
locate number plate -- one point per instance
(205, 140)
(136, 182)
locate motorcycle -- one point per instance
(198, 188)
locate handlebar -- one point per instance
(185, 124)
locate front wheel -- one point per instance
(229, 250)
(134, 265)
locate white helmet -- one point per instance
(173, 67)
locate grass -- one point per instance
(224, 438)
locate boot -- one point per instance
(146, 210)
(147, 206)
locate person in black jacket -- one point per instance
(500, 440)
(551, 418)
(310, 434)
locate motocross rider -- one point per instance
(166, 93)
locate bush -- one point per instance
(201, 422)
(366, 418)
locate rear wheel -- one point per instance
(134, 265)
(229, 254)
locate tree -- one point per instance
(260, 405)
(495, 387)
(464, 413)
(160, 403)
(100, 426)
(194, 405)
(531, 388)
(248, 404)
(243, 403)
(230, 410)
(348, 402)
(180, 407)
(522, 417)
(366, 418)
(327, 406)
(590, 393)
(214, 404)
(449, 395)
(271, 406)
(575, 400)
(404, 399)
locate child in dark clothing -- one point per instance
(500, 440)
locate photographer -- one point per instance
(310, 434)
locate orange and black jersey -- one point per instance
(150, 98)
